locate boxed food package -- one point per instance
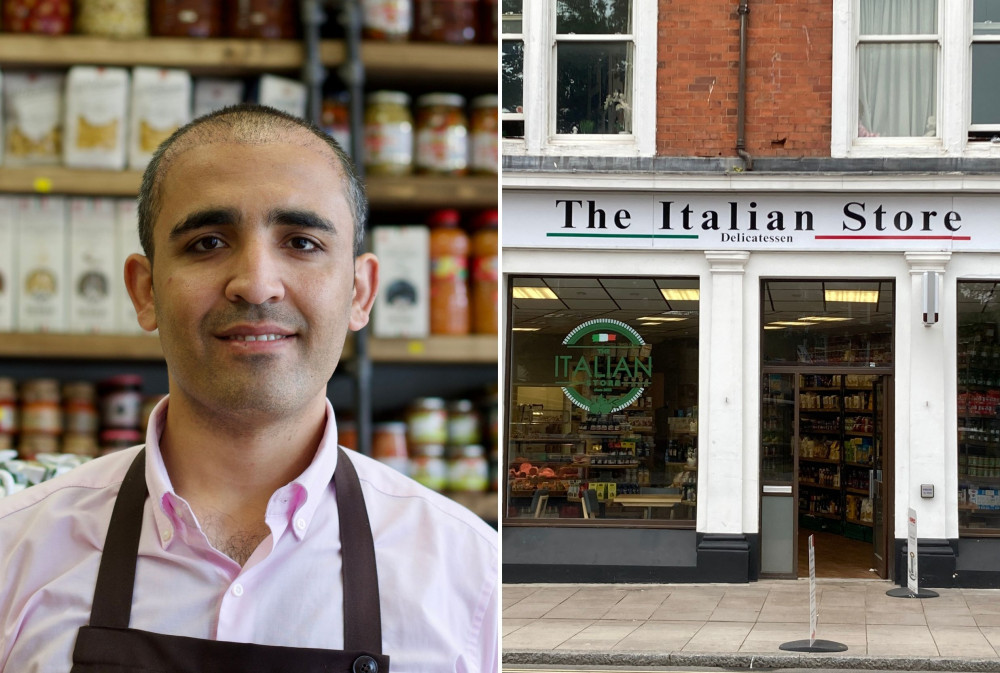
(95, 280)
(8, 274)
(126, 243)
(161, 104)
(96, 106)
(41, 259)
(402, 306)
(32, 118)
(211, 94)
(287, 95)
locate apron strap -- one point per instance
(112, 606)
(116, 577)
(362, 611)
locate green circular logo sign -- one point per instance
(605, 367)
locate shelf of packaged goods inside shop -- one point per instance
(384, 192)
(415, 62)
(440, 349)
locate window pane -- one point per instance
(592, 92)
(603, 400)
(898, 17)
(986, 17)
(593, 17)
(512, 128)
(897, 90)
(843, 323)
(978, 404)
(513, 76)
(985, 92)
(512, 16)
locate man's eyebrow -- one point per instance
(210, 217)
(305, 219)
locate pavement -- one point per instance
(743, 625)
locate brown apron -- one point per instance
(109, 645)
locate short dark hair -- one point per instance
(249, 123)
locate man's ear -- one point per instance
(365, 289)
(139, 282)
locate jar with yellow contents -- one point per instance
(442, 134)
(388, 133)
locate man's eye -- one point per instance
(207, 243)
(300, 243)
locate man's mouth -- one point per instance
(258, 337)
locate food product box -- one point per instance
(8, 273)
(41, 260)
(32, 118)
(287, 95)
(96, 106)
(402, 306)
(126, 242)
(161, 104)
(95, 279)
(211, 94)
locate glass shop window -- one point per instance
(978, 409)
(603, 407)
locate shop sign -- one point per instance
(605, 367)
(742, 221)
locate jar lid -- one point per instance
(445, 99)
(122, 381)
(78, 390)
(393, 427)
(489, 100)
(428, 403)
(395, 97)
(448, 217)
(427, 450)
(34, 390)
(487, 219)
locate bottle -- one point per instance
(449, 274)
(485, 272)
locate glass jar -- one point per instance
(8, 413)
(388, 133)
(485, 273)
(483, 130)
(112, 18)
(468, 470)
(53, 17)
(389, 446)
(186, 18)
(121, 402)
(428, 466)
(80, 408)
(426, 422)
(386, 19)
(80, 445)
(335, 119)
(347, 434)
(452, 21)
(262, 19)
(442, 134)
(449, 247)
(463, 423)
(40, 411)
(116, 440)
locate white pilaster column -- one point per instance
(720, 460)
(920, 450)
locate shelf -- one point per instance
(972, 480)
(856, 491)
(385, 193)
(810, 484)
(858, 434)
(821, 515)
(868, 524)
(867, 466)
(471, 349)
(828, 461)
(819, 411)
(426, 62)
(484, 505)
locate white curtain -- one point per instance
(897, 82)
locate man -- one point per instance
(244, 556)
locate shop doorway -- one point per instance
(826, 433)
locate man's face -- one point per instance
(254, 284)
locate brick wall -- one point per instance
(788, 77)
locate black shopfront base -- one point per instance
(971, 563)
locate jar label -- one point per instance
(484, 152)
(463, 429)
(443, 150)
(388, 16)
(8, 419)
(485, 269)
(389, 144)
(449, 268)
(41, 417)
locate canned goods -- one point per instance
(442, 134)
(388, 133)
(427, 422)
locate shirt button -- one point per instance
(237, 590)
(365, 664)
(166, 535)
(300, 523)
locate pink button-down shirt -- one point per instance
(437, 567)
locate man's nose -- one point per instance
(255, 275)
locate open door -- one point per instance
(878, 483)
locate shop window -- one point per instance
(578, 77)
(827, 322)
(603, 401)
(907, 73)
(978, 409)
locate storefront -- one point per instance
(700, 373)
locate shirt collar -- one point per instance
(304, 492)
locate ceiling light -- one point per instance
(822, 318)
(534, 293)
(526, 329)
(773, 327)
(791, 323)
(661, 318)
(680, 294)
(852, 296)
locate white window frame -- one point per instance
(538, 33)
(954, 94)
